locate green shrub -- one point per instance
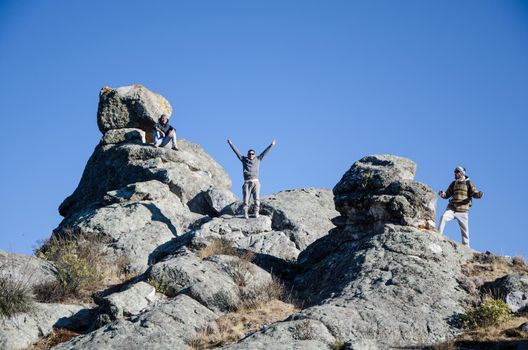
(15, 296)
(82, 265)
(489, 312)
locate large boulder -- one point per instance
(400, 286)
(138, 218)
(255, 234)
(129, 302)
(299, 334)
(514, 289)
(218, 282)
(27, 270)
(304, 214)
(380, 189)
(130, 107)
(22, 330)
(381, 276)
(169, 325)
(187, 172)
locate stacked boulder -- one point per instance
(138, 195)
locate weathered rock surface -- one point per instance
(302, 334)
(218, 199)
(304, 214)
(187, 172)
(397, 287)
(115, 136)
(514, 289)
(22, 330)
(28, 270)
(130, 301)
(217, 282)
(169, 325)
(253, 234)
(380, 189)
(130, 107)
(139, 218)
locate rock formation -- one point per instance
(364, 260)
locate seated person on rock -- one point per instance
(164, 133)
(250, 167)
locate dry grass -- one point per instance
(234, 326)
(57, 337)
(83, 265)
(222, 246)
(500, 331)
(487, 267)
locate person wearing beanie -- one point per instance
(461, 191)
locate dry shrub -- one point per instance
(217, 246)
(223, 246)
(233, 326)
(57, 337)
(82, 263)
(15, 295)
(487, 267)
(253, 298)
(304, 331)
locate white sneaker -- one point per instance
(246, 216)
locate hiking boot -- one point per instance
(174, 148)
(246, 215)
(257, 214)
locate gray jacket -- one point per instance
(250, 167)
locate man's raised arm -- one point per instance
(263, 154)
(233, 147)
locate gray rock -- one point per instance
(301, 334)
(130, 107)
(131, 301)
(524, 327)
(22, 330)
(28, 270)
(379, 190)
(253, 234)
(399, 286)
(304, 214)
(218, 199)
(187, 172)
(217, 282)
(169, 325)
(115, 136)
(139, 218)
(514, 289)
(375, 172)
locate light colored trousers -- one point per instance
(251, 188)
(463, 222)
(164, 141)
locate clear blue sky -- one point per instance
(444, 83)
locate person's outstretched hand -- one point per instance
(273, 142)
(441, 194)
(229, 141)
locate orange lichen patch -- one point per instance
(105, 90)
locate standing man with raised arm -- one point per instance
(250, 167)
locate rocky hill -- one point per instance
(359, 267)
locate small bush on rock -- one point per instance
(82, 265)
(15, 296)
(490, 312)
